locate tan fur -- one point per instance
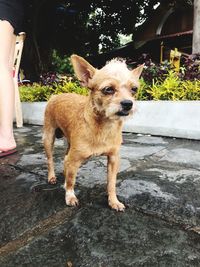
(91, 124)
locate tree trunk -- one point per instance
(196, 28)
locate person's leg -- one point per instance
(7, 44)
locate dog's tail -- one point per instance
(58, 133)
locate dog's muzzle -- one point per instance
(126, 107)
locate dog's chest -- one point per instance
(103, 143)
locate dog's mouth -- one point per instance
(122, 113)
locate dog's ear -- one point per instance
(137, 71)
(83, 70)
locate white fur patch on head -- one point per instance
(117, 61)
(116, 67)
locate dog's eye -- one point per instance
(134, 90)
(108, 90)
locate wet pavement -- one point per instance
(159, 181)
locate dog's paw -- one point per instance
(71, 199)
(116, 205)
(52, 180)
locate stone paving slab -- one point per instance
(109, 239)
(159, 181)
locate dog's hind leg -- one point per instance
(48, 140)
(71, 165)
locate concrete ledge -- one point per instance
(33, 113)
(165, 118)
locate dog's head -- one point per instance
(112, 87)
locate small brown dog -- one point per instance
(92, 124)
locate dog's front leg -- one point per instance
(113, 166)
(71, 166)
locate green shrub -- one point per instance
(70, 87)
(39, 93)
(142, 92)
(172, 88)
(191, 90)
(189, 70)
(61, 64)
(35, 93)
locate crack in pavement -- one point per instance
(183, 226)
(41, 228)
(60, 217)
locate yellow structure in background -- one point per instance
(175, 57)
(161, 52)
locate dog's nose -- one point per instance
(126, 104)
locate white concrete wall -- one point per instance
(33, 113)
(166, 118)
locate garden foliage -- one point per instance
(171, 88)
(158, 82)
(42, 92)
(161, 82)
